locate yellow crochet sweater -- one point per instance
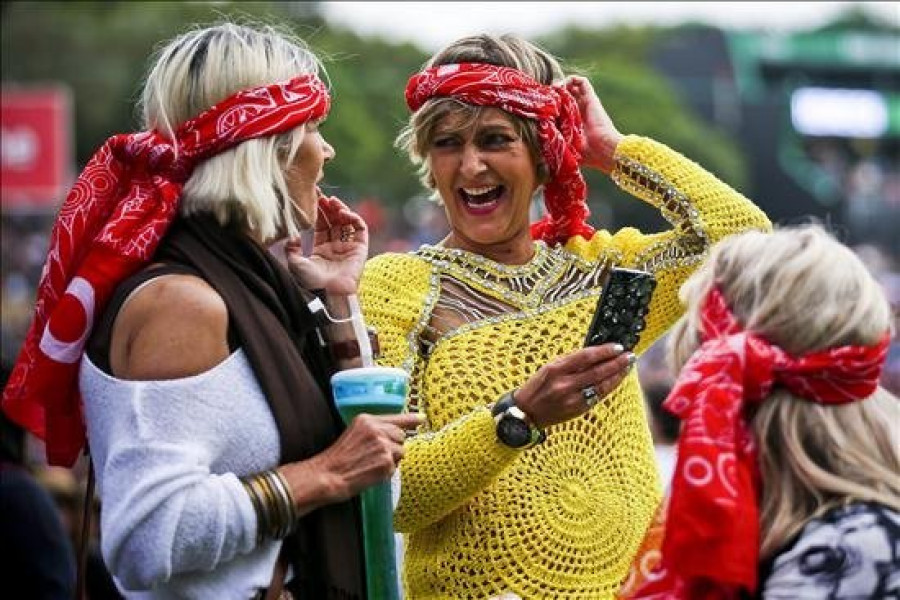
(562, 519)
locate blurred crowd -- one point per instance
(421, 221)
(866, 176)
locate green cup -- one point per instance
(375, 391)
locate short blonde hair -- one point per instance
(505, 51)
(197, 69)
(804, 291)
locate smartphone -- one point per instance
(621, 308)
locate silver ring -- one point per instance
(590, 395)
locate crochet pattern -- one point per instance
(562, 519)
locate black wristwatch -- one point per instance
(512, 424)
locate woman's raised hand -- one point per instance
(602, 135)
(555, 393)
(339, 252)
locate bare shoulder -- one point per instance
(174, 326)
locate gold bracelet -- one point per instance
(273, 503)
(270, 519)
(275, 516)
(287, 500)
(282, 523)
(263, 504)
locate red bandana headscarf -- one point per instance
(109, 226)
(711, 544)
(559, 128)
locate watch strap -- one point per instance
(502, 406)
(506, 401)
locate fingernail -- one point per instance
(618, 348)
(631, 359)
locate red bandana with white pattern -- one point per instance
(711, 544)
(108, 228)
(559, 129)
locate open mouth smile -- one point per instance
(481, 200)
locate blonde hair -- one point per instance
(804, 291)
(506, 51)
(246, 184)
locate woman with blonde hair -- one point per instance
(788, 475)
(534, 473)
(223, 467)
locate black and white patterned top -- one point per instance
(850, 552)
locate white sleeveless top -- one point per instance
(175, 520)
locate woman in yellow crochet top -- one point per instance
(545, 492)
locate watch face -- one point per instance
(513, 432)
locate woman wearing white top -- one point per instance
(205, 379)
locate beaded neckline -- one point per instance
(522, 285)
(479, 262)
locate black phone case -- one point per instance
(621, 308)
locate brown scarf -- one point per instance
(270, 320)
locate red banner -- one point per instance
(36, 146)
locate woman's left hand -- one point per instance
(601, 134)
(339, 252)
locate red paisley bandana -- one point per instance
(108, 228)
(559, 129)
(711, 544)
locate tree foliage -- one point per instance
(101, 50)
